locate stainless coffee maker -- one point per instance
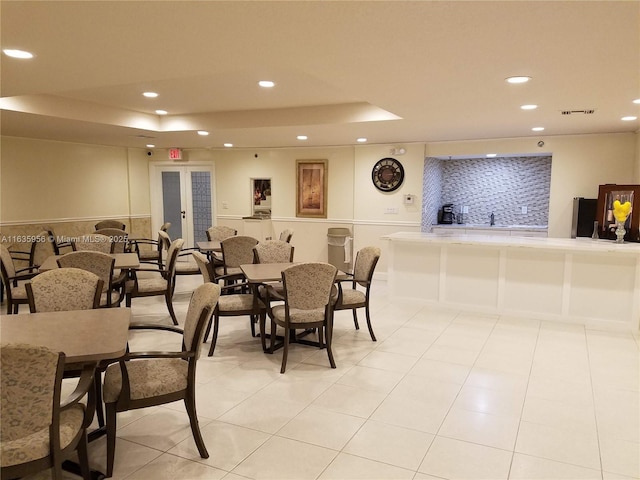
(446, 214)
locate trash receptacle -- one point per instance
(340, 244)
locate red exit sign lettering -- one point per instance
(175, 154)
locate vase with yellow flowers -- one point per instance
(621, 212)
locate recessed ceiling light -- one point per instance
(528, 107)
(492, 155)
(204, 133)
(302, 137)
(150, 145)
(637, 101)
(150, 94)
(537, 129)
(161, 112)
(518, 79)
(361, 140)
(266, 83)
(17, 53)
(228, 145)
(629, 118)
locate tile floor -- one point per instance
(440, 395)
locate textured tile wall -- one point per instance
(501, 185)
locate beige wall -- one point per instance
(43, 181)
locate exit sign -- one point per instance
(175, 154)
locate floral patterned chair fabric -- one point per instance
(152, 251)
(144, 379)
(94, 242)
(236, 251)
(13, 281)
(102, 265)
(220, 232)
(37, 431)
(149, 283)
(119, 239)
(307, 304)
(273, 251)
(286, 235)
(354, 298)
(64, 289)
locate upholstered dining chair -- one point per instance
(307, 304)
(219, 233)
(14, 280)
(286, 235)
(93, 242)
(42, 247)
(64, 289)
(152, 249)
(38, 431)
(273, 251)
(102, 265)
(144, 379)
(111, 224)
(160, 281)
(229, 305)
(236, 251)
(349, 296)
(119, 239)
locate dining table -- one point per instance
(123, 261)
(86, 337)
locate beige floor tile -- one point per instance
(560, 415)
(170, 467)
(438, 370)
(495, 380)
(360, 402)
(371, 378)
(410, 412)
(392, 362)
(322, 427)
(620, 456)
(427, 390)
(449, 354)
(346, 466)
(280, 459)
(565, 446)
(526, 467)
(398, 446)
(453, 459)
(129, 457)
(490, 430)
(486, 400)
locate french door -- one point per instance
(184, 196)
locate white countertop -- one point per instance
(483, 226)
(568, 245)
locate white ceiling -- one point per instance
(390, 71)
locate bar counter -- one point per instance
(591, 282)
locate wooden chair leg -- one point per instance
(169, 300)
(190, 405)
(97, 385)
(214, 337)
(285, 350)
(83, 457)
(272, 334)
(355, 319)
(373, 337)
(110, 409)
(263, 340)
(329, 351)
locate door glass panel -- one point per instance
(201, 199)
(171, 201)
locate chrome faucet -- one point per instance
(492, 219)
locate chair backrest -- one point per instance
(273, 251)
(365, 264)
(64, 289)
(220, 232)
(201, 305)
(286, 235)
(8, 267)
(42, 248)
(165, 227)
(110, 224)
(95, 262)
(208, 274)
(237, 250)
(172, 256)
(307, 286)
(31, 385)
(119, 239)
(94, 242)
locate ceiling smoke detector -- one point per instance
(588, 111)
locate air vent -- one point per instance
(578, 112)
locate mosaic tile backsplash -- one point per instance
(502, 185)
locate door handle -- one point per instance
(183, 212)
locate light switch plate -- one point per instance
(524, 210)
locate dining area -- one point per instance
(91, 308)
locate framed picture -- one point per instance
(311, 188)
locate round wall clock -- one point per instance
(387, 174)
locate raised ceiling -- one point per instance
(390, 71)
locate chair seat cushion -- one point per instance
(237, 303)
(148, 254)
(187, 267)
(114, 298)
(298, 316)
(19, 292)
(154, 284)
(353, 297)
(148, 378)
(36, 445)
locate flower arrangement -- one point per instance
(621, 212)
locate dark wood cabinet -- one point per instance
(609, 193)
